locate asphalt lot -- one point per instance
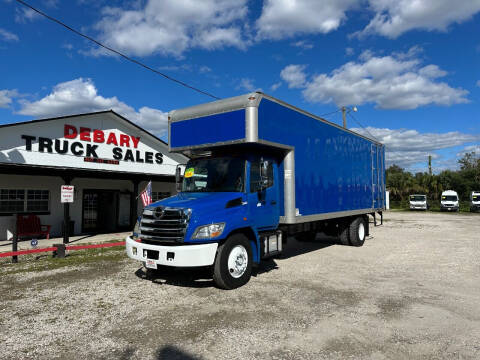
(412, 291)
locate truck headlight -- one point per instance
(136, 230)
(209, 231)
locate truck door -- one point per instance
(263, 202)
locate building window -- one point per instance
(158, 195)
(37, 200)
(24, 201)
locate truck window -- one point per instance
(449, 198)
(418, 198)
(255, 183)
(214, 175)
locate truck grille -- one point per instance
(162, 225)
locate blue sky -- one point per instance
(410, 66)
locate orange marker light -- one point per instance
(244, 219)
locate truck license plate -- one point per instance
(151, 264)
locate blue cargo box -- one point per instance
(328, 171)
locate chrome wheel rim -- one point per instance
(361, 231)
(237, 261)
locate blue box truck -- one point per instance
(260, 171)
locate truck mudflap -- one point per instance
(181, 256)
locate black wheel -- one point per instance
(233, 264)
(344, 234)
(306, 236)
(357, 231)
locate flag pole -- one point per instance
(143, 190)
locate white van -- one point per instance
(418, 202)
(449, 201)
(475, 201)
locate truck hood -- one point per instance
(199, 201)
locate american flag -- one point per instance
(146, 195)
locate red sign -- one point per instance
(100, 136)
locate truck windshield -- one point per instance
(449, 198)
(214, 175)
(418, 198)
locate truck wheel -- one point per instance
(344, 234)
(358, 230)
(233, 264)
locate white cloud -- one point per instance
(7, 35)
(286, 18)
(406, 147)
(294, 76)
(395, 17)
(349, 51)
(204, 69)
(170, 27)
(397, 81)
(81, 96)
(469, 149)
(248, 85)
(51, 3)
(24, 15)
(276, 86)
(303, 44)
(6, 97)
(391, 18)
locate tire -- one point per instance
(344, 234)
(230, 270)
(357, 231)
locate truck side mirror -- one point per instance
(178, 178)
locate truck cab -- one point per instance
(449, 201)
(221, 195)
(418, 202)
(475, 201)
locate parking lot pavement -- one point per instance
(412, 291)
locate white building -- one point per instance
(107, 159)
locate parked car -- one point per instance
(449, 201)
(418, 202)
(475, 201)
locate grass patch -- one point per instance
(28, 263)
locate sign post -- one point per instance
(66, 197)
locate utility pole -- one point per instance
(344, 116)
(430, 165)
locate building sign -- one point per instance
(85, 142)
(66, 194)
(103, 141)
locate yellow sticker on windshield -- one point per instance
(189, 172)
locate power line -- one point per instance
(330, 113)
(363, 127)
(116, 51)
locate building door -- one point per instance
(100, 210)
(90, 211)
